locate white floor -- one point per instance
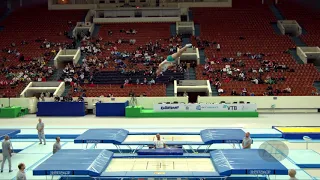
(90, 121)
(35, 154)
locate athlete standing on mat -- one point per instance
(6, 152)
(247, 141)
(171, 59)
(56, 145)
(40, 128)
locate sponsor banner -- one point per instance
(204, 107)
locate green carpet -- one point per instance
(144, 113)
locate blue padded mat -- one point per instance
(90, 162)
(114, 136)
(249, 161)
(9, 132)
(213, 136)
(163, 151)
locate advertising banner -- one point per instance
(204, 107)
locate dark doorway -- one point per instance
(193, 96)
(313, 61)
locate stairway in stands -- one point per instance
(214, 91)
(170, 89)
(96, 30)
(190, 74)
(173, 30)
(297, 40)
(316, 84)
(294, 55)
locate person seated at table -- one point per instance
(158, 143)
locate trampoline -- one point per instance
(298, 132)
(122, 137)
(105, 164)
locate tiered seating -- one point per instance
(98, 90)
(306, 16)
(28, 24)
(145, 32)
(112, 77)
(251, 20)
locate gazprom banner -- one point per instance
(204, 107)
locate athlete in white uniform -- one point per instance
(171, 59)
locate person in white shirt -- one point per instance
(6, 152)
(40, 128)
(218, 47)
(292, 174)
(21, 175)
(159, 143)
(56, 145)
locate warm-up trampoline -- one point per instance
(105, 164)
(122, 137)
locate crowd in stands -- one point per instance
(103, 55)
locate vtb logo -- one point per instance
(230, 108)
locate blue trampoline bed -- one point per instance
(106, 164)
(122, 137)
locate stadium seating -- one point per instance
(251, 21)
(306, 16)
(116, 91)
(25, 24)
(146, 32)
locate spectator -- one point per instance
(220, 91)
(21, 175)
(252, 94)
(314, 93)
(287, 90)
(218, 47)
(185, 94)
(152, 81)
(132, 41)
(56, 145)
(233, 92)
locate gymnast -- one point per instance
(171, 59)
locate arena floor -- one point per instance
(33, 154)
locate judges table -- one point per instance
(10, 112)
(111, 108)
(61, 109)
(203, 107)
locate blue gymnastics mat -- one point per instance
(249, 161)
(9, 132)
(114, 136)
(90, 162)
(305, 158)
(214, 136)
